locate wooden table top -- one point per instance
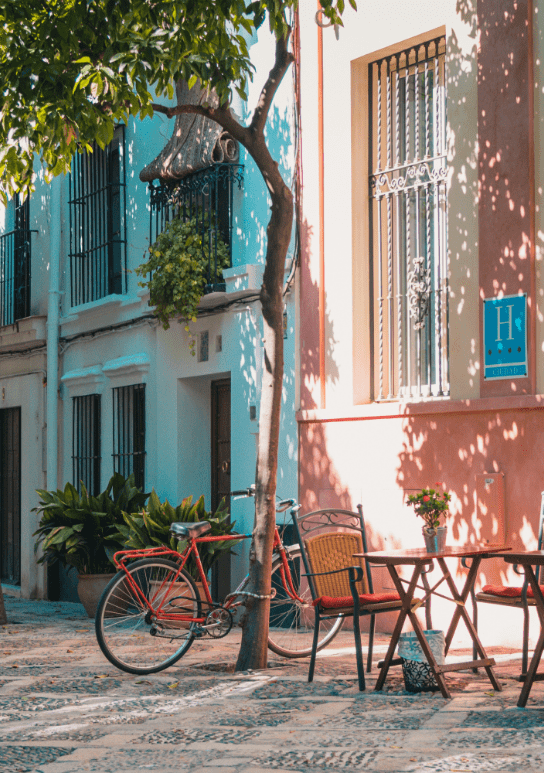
(421, 556)
(534, 557)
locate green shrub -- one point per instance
(82, 531)
(177, 271)
(151, 528)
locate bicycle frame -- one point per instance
(121, 558)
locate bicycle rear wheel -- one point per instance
(125, 629)
(291, 621)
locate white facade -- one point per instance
(115, 342)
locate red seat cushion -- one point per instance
(331, 602)
(508, 591)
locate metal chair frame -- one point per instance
(520, 602)
(322, 521)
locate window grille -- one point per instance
(206, 195)
(15, 266)
(97, 222)
(408, 237)
(86, 459)
(129, 431)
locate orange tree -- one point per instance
(71, 69)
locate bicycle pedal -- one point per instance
(199, 632)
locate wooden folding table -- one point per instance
(419, 558)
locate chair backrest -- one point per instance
(327, 552)
(328, 539)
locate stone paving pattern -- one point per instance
(65, 709)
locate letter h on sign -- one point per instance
(505, 337)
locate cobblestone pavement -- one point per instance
(64, 709)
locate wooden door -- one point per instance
(10, 495)
(220, 454)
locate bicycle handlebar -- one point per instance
(281, 506)
(245, 492)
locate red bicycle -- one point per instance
(151, 612)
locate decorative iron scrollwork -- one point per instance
(419, 292)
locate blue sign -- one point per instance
(505, 337)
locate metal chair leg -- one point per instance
(359, 652)
(525, 655)
(370, 643)
(355, 576)
(314, 646)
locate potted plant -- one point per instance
(432, 505)
(177, 270)
(82, 532)
(151, 528)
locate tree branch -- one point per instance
(284, 58)
(221, 115)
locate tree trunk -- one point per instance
(255, 621)
(3, 616)
(254, 645)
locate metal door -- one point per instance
(220, 472)
(10, 495)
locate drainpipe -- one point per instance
(53, 313)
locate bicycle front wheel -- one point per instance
(126, 630)
(292, 621)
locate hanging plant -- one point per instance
(177, 271)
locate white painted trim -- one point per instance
(83, 377)
(122, 366)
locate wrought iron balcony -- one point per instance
(14, 275)
(207, 196)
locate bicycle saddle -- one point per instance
(190, 530)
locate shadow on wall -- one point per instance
(310, 384)
(319, 480)
(461, 452)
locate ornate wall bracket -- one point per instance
(196, 142)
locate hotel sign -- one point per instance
(505, 337)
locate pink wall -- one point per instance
(376, 460)
(506, 165)
(374, 453)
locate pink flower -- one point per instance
(426, 498)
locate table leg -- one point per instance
(406, 597)
(461, 612)
(539, 603)
(459, 598)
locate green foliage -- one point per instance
(177, 270)
(82, 531)
(430, 504)
(151, 528)
(69, 71)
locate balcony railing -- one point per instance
(15, 275)
(207, 196)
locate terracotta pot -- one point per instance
(90, 588)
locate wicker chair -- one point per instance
(339, 583)
(520, 597)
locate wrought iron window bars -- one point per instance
(86, 459)
(207, 196)
(129, 431)
(408, 236)
(98, 222)
(15, 266)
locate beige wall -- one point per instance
(378, 28)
